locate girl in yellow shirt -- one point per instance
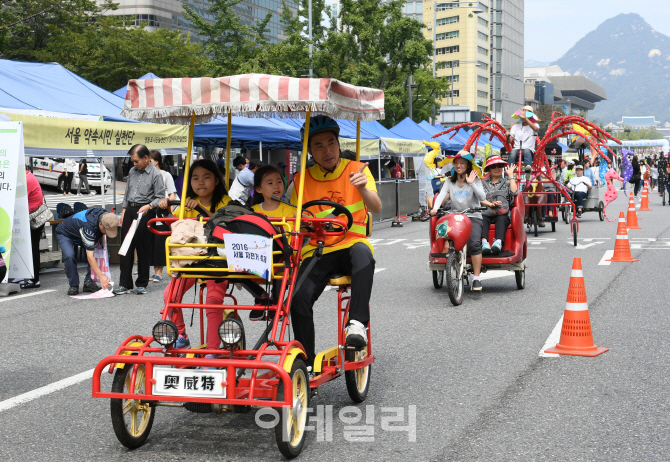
(269, 183)
(205, 188)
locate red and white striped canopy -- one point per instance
(250, 95)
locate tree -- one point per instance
(544, 113)
(108, 53)
(229, 42)
(28, 26)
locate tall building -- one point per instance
(168, 14)
(507, 64)
(462, 51)
(574, 93)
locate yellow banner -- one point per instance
(369, 148)
(399, 146)
(55, 133)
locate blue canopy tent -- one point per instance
(51, 87)
(454, 144)
(248, 133)
(121, 92)
(409, 129)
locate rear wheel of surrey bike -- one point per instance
(290, 430)
(438, 279)
(520, 276)
(601, 211)
(358, 380)
(131, 418)
(535, 219)
(455, 284)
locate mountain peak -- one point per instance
(631, 60)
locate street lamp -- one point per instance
(476, 10)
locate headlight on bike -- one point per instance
(231, 332)
(165, 333)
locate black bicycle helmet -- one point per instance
(319, 124)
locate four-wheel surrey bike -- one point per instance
(149, 371)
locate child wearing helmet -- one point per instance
(500, 193)
(351, 184)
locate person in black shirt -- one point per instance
(83, 177)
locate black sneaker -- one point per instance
(476, 284)
(90, 286)
(73, 291)
(27, 284)
(256, 315)
(355, 335)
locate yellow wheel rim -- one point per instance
(297, 415)
(362, 373)
(136, 414)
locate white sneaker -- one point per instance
(355, 334)
(79, 194)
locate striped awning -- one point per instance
(249, 95)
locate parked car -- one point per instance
(49, 172)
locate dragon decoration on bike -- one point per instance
(560, 126)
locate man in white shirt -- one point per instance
(69, 169)
(580, 185)
(523, 136)
(244, 183)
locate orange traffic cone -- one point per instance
(644, 205)
(631, 219)
(576, 335)
(622, 247)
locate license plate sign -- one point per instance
(189, 383)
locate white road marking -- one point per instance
(553, 339)
(14, 297)
(46, 390)
(608, 255)
(586, 246)
(392, 241)
(636, 246)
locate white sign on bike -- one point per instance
(189, 382)
(249, 253)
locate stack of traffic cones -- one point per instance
(622, 246)
(576, 335)
(644, 205)
(631, 219)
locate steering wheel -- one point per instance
(339, 209)
(199, 207)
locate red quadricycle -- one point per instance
(149, 371)
(452, 268)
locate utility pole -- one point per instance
(410, 95)
(310, 38)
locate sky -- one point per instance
(552, 27)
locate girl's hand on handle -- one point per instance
(191, 203)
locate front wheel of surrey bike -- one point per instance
(573, 226)
(455, 284)
(520, 276)
(601, 211)
(358, 380)
(131, 418)
(438, 279)
(290, 430)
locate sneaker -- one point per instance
(90, 286)
(477, 285)
(542, 224)
(121, 291)
(79, 194)
(140, 290)
(486, 247)
(73, 291)
(27, 284)
(496, 248)
(182, 342)
(257, 315)
(355, 334)
(209, 368)
(92, 193)
(156, 278)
